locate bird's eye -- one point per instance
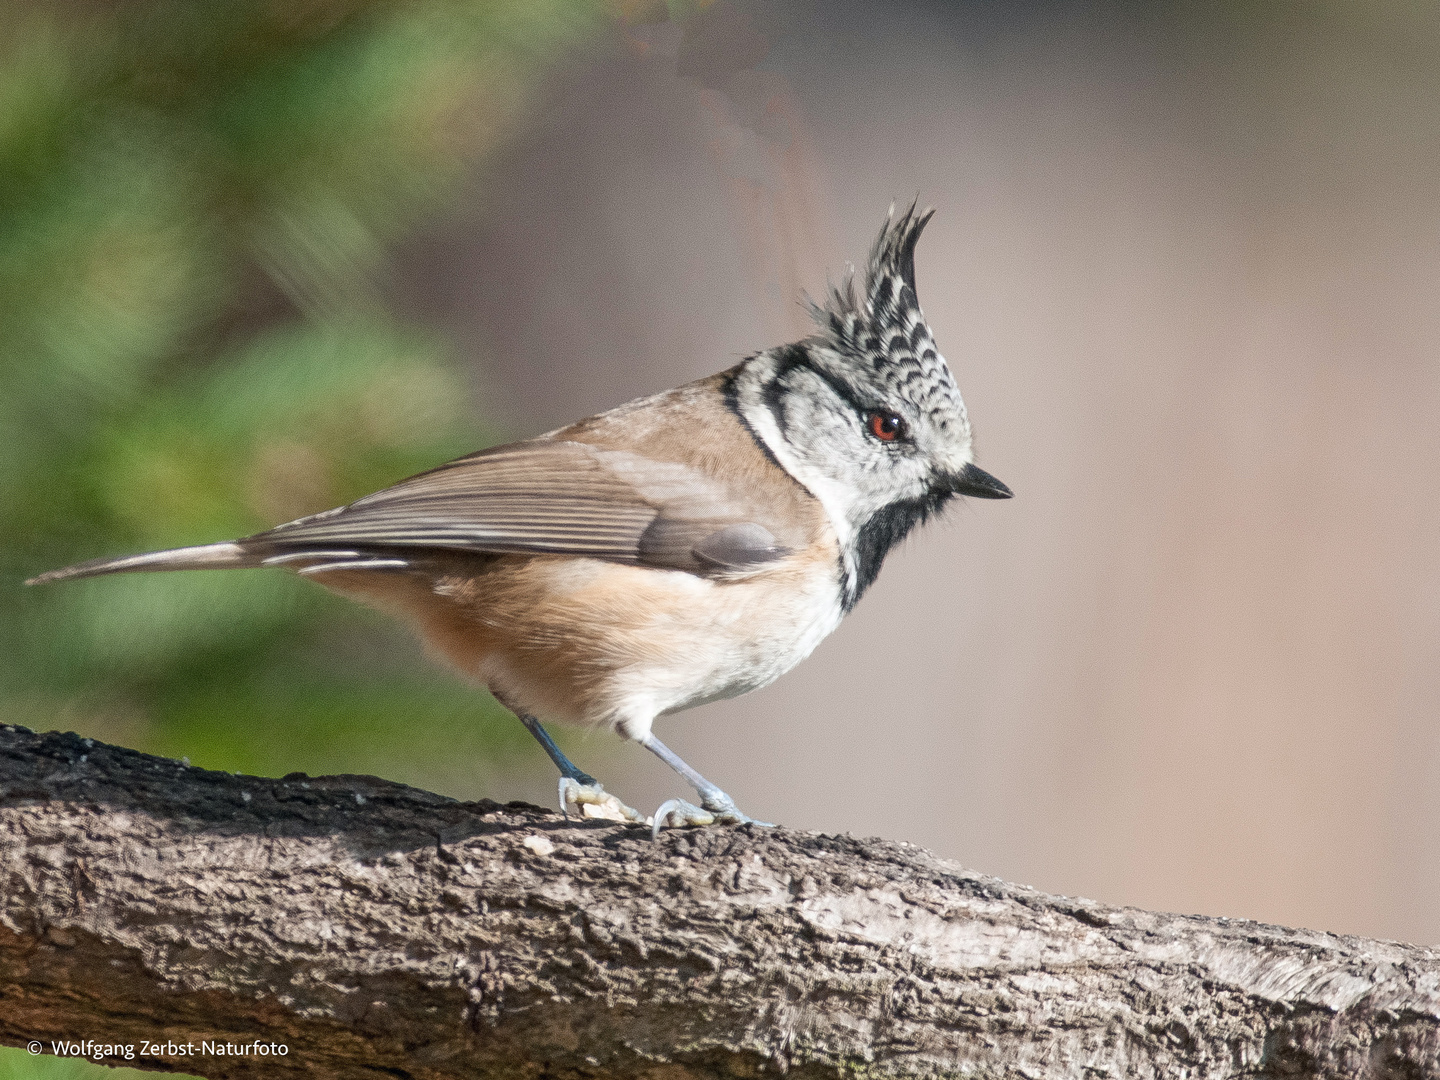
(886, 426)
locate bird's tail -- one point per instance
(204, 557)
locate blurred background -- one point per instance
(261, 258)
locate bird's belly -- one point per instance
(762, 643)
(589, 642)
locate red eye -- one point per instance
(886, 426)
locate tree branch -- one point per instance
(371, 928)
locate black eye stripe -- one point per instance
(795, 358)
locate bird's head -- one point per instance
(866, 413)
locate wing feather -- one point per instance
(544, 496)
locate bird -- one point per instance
(679, 549)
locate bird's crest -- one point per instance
(868, 324)
(880, 338)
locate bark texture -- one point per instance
(373, 929)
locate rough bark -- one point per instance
(371, 929)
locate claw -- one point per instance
(679, 812)
(594, 802)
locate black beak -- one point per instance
(980, 484)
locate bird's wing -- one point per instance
(544, 496)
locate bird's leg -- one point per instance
(714, 806)
(580, 792)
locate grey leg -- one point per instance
(714, 806)
(579, 791)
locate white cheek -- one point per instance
(837, 498)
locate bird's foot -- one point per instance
(713, 808)
(593, 802)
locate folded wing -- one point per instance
(539, 497)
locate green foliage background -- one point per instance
(196, 204)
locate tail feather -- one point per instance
(203, 557)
